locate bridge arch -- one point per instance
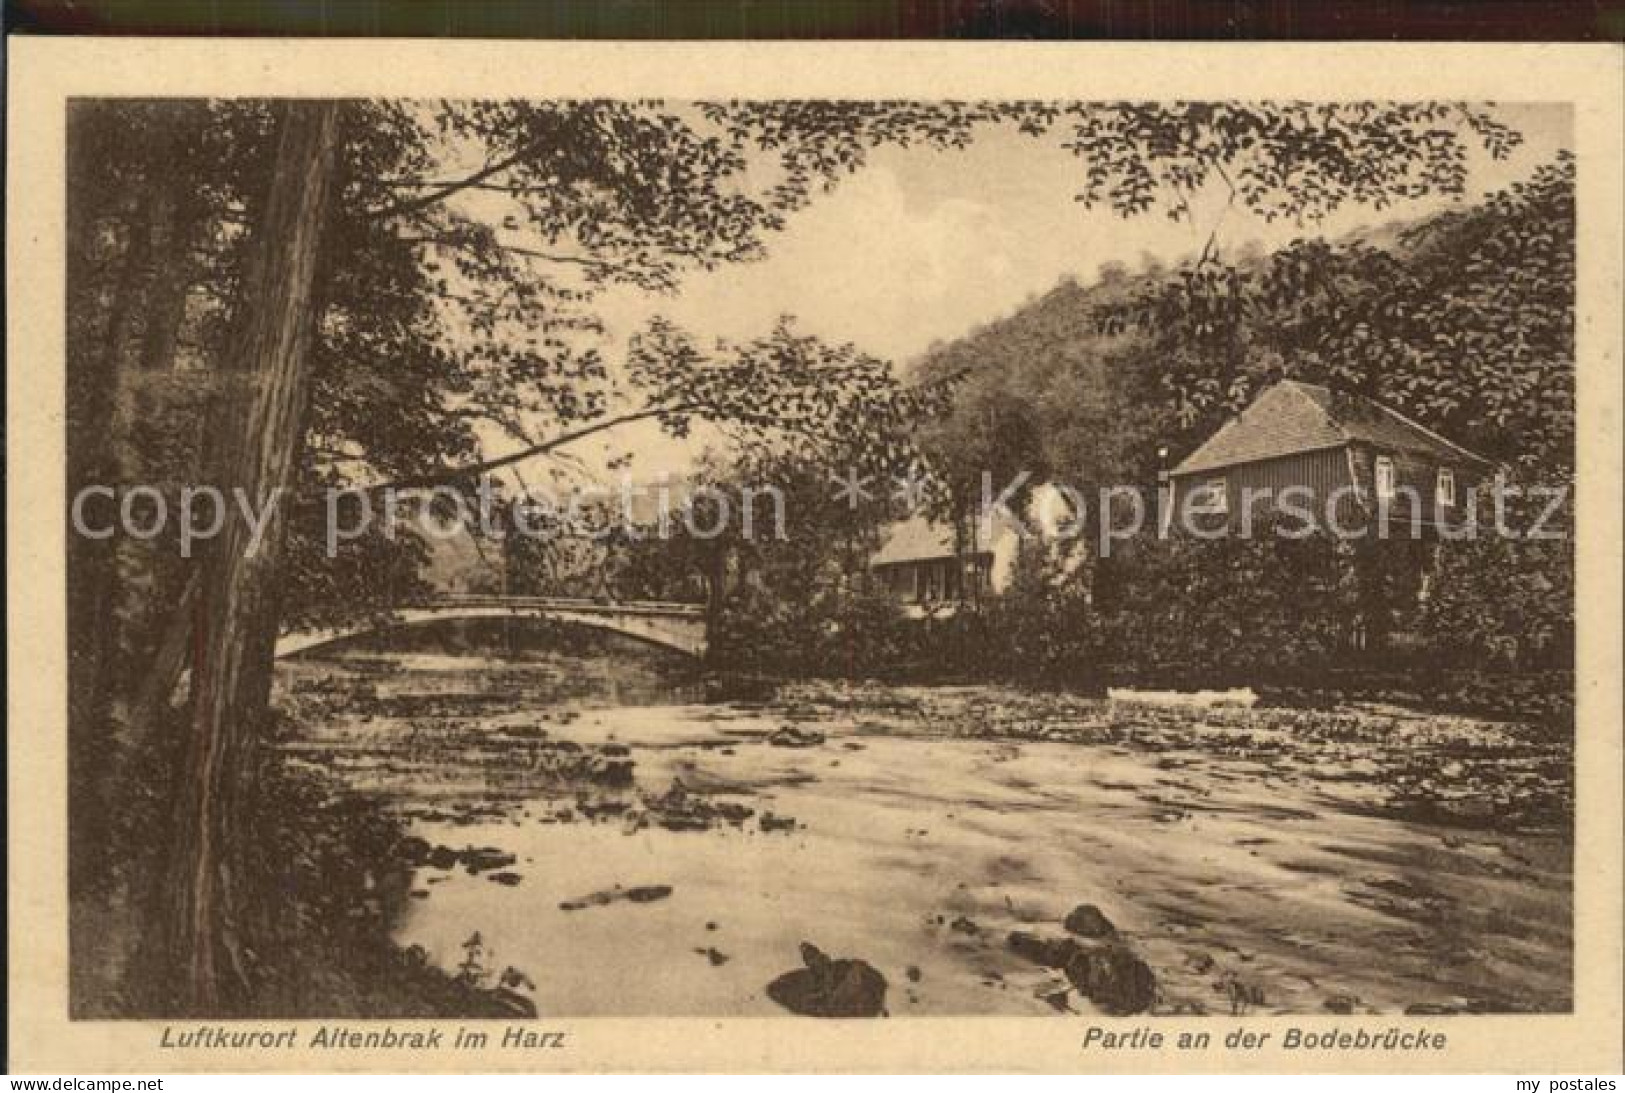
(678, 626)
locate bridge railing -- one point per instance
(664, 608)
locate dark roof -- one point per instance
(1292, 417)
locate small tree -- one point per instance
(1042, 624)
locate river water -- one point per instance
(1365, 860)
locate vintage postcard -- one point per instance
(772, 557)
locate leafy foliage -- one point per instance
(1043, 625)
(1507, 601)
(1282, 159)
(826, 399)
(1229, 604)
(1466, 324)
(1464, 321)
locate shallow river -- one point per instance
(1228, 847)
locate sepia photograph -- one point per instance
(1107, 561)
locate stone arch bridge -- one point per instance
(679, 626)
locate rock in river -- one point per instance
(609, 771)
(793, 736)
(413, 850)
(507, 1003)
(1108, 973)
(1046, 952)
(681, 809)
(830, 987)
(645, 893)
(1086, 920)
(770, 822)
(1113, 978)
(482, 859)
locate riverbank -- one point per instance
(1540, 698)
(322, 889)
(329, 892)
(1544, 698)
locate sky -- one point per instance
(923, 245)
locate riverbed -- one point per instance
(632, 842)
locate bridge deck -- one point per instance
(565, 603)
(680, 626)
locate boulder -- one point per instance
(1113, 977)
(1340, 1003)
(1200, 963)
(646, 893)
(1046, 952)
(609, 771)
(507, 1003)
(413, 850)
(1108, 973)
(680, 809)
(481, 859)
(793, 736)
(828, 987)
(1086, 920)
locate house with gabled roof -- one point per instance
(1350, 458)
(924, 568)
(930, 569)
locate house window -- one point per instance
(1385, 477)
(931, 592)
(1214, 496)
(1446, 491)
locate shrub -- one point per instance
(1227, 605)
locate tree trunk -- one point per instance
(259, 436)
(1375, 607)
(716, 593)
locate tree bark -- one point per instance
(259, 435)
